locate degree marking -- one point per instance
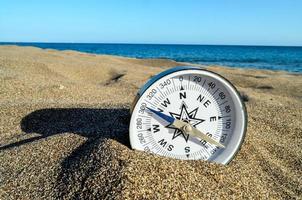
(222, 103)
(144, 116)
(169, 91)
(207, 153)
(156, 99)
(201, 89)
(161, 151)
(195, 88)
(150, 103)
(224, 116)
(154, 144)
(217, 98)
(173, 83)
(160, 92)
(141, 130)
(215, 91)
(146, 143)
(172, 90)
(203, 150)
(191, 87)
(166, 92)
(148, 136)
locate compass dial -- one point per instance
(181, 101)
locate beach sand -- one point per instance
(64, 119)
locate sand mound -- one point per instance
(64, 133)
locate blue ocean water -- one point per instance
(260, 57)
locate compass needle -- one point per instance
(162, 115)
(187, 128)
(203, 136)
(182, 125)
(188, 113)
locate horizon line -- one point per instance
(130, 43)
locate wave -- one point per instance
(296, 63)
(245, 60)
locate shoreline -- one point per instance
(190, 63)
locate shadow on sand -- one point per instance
(96, 125)
(87, 122)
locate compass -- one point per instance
(188, 113)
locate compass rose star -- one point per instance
(189, 117)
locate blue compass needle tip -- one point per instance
(162, 115)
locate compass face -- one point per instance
(200, 98)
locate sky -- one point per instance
(230, 22)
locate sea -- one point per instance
(258, 57)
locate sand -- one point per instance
(64, 132)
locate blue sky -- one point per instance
(254, 22)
